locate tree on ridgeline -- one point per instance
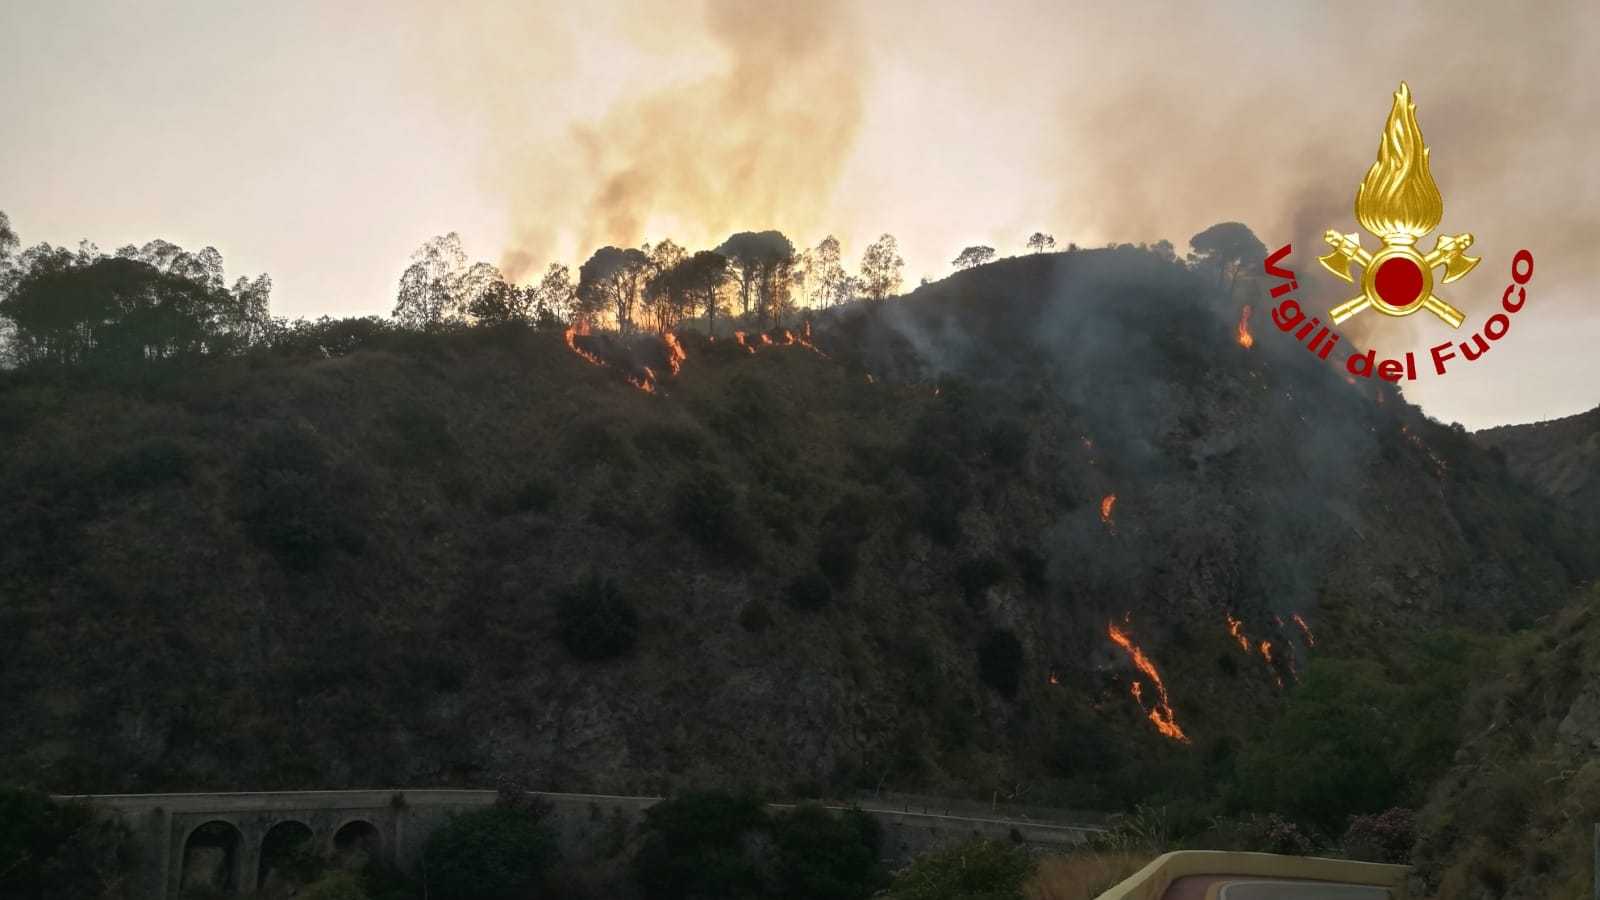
(430, 288)
(1039, 242)
(611, 280)
(556, 297)
(156, 301)
(702, 277)
(881, 267)
(972, 257)
(1227, 248)
(761, 261)
(492, 300)
(829, 283)
(665, 298)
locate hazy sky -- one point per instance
(323, 142)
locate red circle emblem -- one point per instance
(1398, 281)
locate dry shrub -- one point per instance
(1083, 875)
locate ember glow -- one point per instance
(675, 354)
(1107, 504)
(1246, 340)
(581, 329)
(1236, 628)
(1266, 654)
(1160, 714)
(645, 378)
(1311, 639)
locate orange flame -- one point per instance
(1246, 340)
(1054, 679)
(675, 354)
(1160, 714)
(738, 338)
(1266, 654)
(573, 333)
(1234, 628)
(1107, 504)
(1311, 639)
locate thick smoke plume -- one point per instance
(757, 142)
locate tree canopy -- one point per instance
(972, 257)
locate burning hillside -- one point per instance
(894, 564)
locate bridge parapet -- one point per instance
(222, 839)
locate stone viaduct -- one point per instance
(231, 842)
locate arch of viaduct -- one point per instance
(227, 840)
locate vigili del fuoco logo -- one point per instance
(1399, 204)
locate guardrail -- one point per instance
(1152, 881)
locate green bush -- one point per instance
(707, 509)
(498, 853)
(1334, 751)
(980, 870)
(51, 850)
(148, 464)
(702, 845)
(1383, 838)
(824, 856)
(292, 501)
(335, 886)
(596, 620)
(1000, 661)
(810, 591)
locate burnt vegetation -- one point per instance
(585, 530)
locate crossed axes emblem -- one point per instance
(1398, 270)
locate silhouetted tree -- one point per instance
(833, 283)
(703, 276)
(124, 310)
(556, 297)
(430, 288)
(972, 257)
(762, 261)
(664, 292)
(880, 268)
(1227, 248)
(8, 244)
(1039, 242)
(492, 300)
(612, 278)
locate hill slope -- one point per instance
(894, 565)
(1559, 457)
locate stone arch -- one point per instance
(211, 855)
(355, 842)
(286, 848)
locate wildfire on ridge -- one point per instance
(1311, 639)
(573, 333)
(645, 379)
(1107, 504)
(1246, 340)
(1160, 713)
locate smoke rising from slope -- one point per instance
(757, 142)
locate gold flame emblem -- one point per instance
(1398, 203)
